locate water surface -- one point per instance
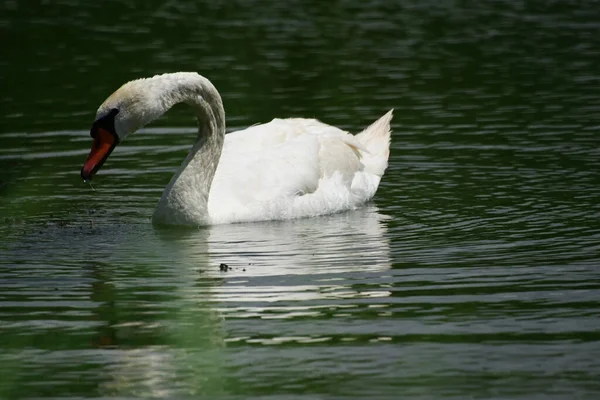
(472, 274)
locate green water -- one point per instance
(474, 273)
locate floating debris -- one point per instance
(224, 267)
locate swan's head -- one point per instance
(132, 106)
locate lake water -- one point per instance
(474, 273)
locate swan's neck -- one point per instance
(185, 199)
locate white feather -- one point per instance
(291, 168)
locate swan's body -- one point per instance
(287, 168)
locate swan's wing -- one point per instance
(282, 158)
(279, 131)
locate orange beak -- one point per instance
(104, 144)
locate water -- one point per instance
(473, 273)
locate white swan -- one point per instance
(287, 168)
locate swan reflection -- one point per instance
(292, 268)
(278, 271)
(348, 242)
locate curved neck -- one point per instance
(185, 199)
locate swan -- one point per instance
(284, 169)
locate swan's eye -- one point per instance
(106, 122)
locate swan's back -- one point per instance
(292, 168)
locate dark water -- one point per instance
(473, 274)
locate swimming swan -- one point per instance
(287, 168)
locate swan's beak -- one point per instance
(104, 144)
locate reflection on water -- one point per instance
(303, 269)
(146, 313)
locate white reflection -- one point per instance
(277, 270)
(301, 261)
(348, 242)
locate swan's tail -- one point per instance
(376, 138)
